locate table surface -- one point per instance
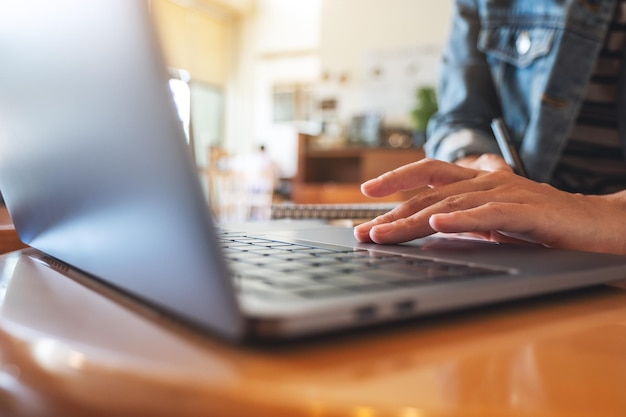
(69, 349)
(9, 240)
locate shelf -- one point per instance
(335, 175)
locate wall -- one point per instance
(193, 39)
(246, 47)
(333, 45)
(277, 43)
(374, 53)
(197, 36)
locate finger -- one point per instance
(406, 209)
(426, 172)
(493, 236)
(393, 231)
(402, 230)
(362, 231)
(507, 219)
(362, 234)
(411, 218)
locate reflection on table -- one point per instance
(69, 348)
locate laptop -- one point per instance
(98, 178)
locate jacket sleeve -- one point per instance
(466, 94)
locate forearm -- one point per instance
(466, 95)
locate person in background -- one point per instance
(553, 71)
(258, 174)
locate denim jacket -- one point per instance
(528, 61)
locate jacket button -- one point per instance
(522, 43)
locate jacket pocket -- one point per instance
(517, 46)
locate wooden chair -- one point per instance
(239, 191)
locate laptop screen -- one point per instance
(94, 166)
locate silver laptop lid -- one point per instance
(94, 167)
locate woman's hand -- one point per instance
(496, 205)
(484, 162)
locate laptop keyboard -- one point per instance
(271, 267)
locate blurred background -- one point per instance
(300, 101)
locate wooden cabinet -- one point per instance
(335, 175)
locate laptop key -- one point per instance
(266, 265)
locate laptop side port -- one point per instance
(404, 308)
(365, 313)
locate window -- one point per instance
(292, 103)
(182, 98)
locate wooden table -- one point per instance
(9, 240)
(70, 350)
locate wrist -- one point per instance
(609, 215)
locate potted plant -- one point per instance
(425, 107)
